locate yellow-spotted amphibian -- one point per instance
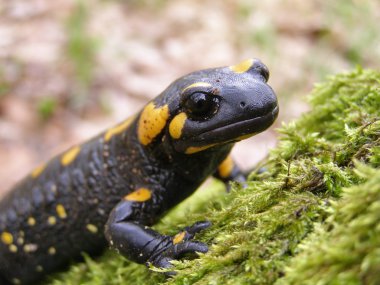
(110, 189)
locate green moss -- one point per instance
(311, 218)
(346, 248)
(46, 107)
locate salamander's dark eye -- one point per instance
(201, 105)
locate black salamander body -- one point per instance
(111, 188)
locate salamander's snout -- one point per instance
(261, 69)
(252, 66)
(258, 100)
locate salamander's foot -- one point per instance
(179, 245)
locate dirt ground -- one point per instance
(70, 69)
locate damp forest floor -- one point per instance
(310, 213)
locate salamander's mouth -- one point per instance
(237, 131)
(225, 134)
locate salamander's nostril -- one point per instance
(242, 104)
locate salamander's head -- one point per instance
(221, 105)
(212, 107)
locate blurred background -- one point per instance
(69, 68)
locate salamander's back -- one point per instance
(53, 214)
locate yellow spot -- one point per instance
(179, 237)
(52, 250)
(20, 241)
(92, 228)
(7, 238)
(52, 220)
(16, 281)
(38, 170)
(61, 211)
(140, 195)
(226, 167)
(243, 66)
(39, 268)
(31, 221)
(194, 149)
(176, 125)
(30, 247)
(70, 155)
(196, 84)
(152, 121)
(53, 188)
(13, 248)
(118, 129)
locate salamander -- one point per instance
(111, 189)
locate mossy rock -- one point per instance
(312, 217)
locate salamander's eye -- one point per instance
(200, 105)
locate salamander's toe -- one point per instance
(180, 245)
(163, 262)
(197, 227)
(189, 247)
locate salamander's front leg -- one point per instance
(127, 231)
(227, 171)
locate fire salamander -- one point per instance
(110, 189)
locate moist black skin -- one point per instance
(110, 189)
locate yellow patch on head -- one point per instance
(52, 220)
(243, 66)
(7, 238)
(226, 167)
(118, 129)
(31, 221)
(92, 228)
(179, 237)
(176, 125)
(196, 84)
(151, 123)
(194, 149)
(61, 211)
(70, 155)
(140, 195)
(38, 170)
